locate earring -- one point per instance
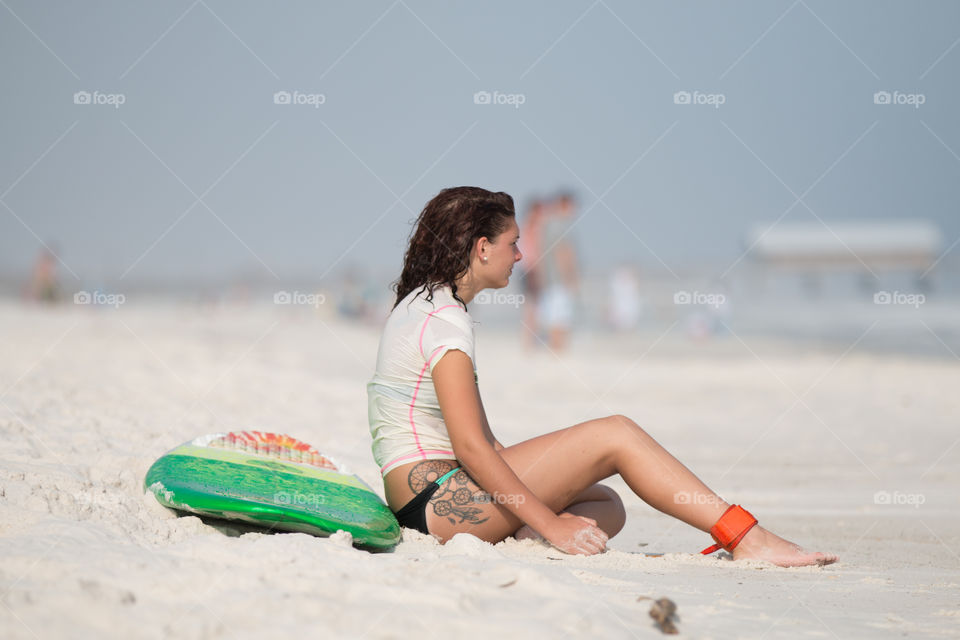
(484, 258)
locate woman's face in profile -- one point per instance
(502, 253)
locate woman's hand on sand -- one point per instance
(576, 535)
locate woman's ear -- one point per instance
(481, 246)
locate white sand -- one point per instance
(90, 397)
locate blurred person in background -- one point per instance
(625, 307)
(561, 280)
(531, 275)
(43, 286)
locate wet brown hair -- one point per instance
(439, 249)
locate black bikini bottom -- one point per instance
(413, 515)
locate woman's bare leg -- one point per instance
(557, 338)
(559, 466)
(598, 502)
(602, 504)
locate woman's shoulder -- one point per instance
(440, 303)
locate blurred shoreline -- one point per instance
(840, 311)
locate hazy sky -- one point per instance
(200, 171)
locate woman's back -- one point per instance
(404, 415)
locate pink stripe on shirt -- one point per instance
(413, 400)
(424, 327)
(413, 427)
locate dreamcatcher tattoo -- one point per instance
(454, 499)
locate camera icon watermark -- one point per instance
(98, 298)
(499, 498)
(297, 98)
(715, 300)
(298, 499)
(697, 97)
(696, 497)
(899, 298)
(899, 98)
(512, 99)
(509, 299)
(97, 98)
(898, 498)
(299, 298)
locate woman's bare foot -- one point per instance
(760, 544)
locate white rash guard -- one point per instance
(402, 407)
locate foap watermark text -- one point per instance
(714, 300)
(299, 98)
(899, 298)
(909, 99)
(98, 98)
(695, 497)
(496, 297)
(899, 498)
(497, 97)
(499, 498)
(698, 97)
(99, 298)
(298, 499)
(299, 298)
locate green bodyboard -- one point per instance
(270, 492)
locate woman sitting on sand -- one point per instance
(444, 472)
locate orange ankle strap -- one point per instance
(730, 529)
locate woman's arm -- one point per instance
(486, 426)
(466, 423)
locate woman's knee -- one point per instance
(623, 421)
(618, 512)
(621, 435)
(619, 427)
(605, 504)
